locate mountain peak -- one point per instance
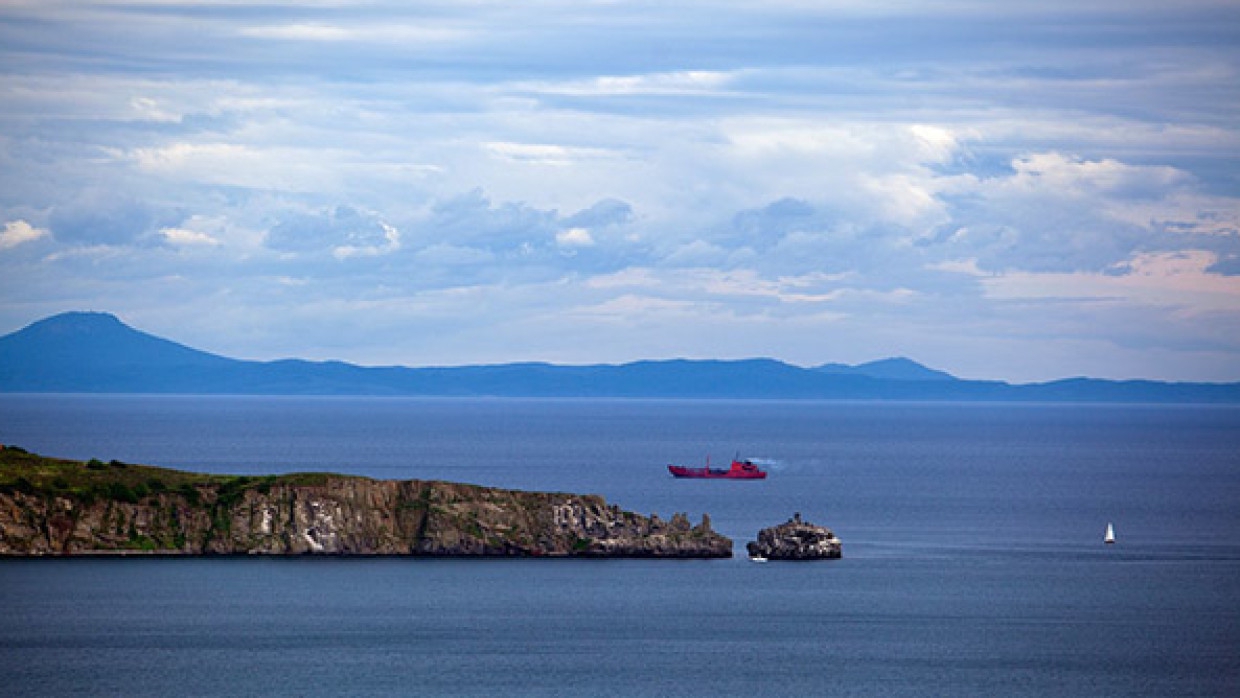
(77, 321)
(895, 368)
(88, 351)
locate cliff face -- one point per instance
(73, 508)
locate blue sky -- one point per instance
(1019, 190)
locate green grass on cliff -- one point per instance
(33, 474)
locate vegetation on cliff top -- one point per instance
(29, 473)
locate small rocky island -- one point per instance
(60, 507)
(795, 540)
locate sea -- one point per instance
(974, 562)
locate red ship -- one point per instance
(740, 470)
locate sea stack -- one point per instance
(795, 540)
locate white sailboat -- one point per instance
(1109, 538)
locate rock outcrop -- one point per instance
(54, 507)
(795, 540)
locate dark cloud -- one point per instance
(342, 226)
(605, 212)
(1046, 241)
(477, 236)
(99, 217)
(471, 220)
(1227, 265)
(764, 227)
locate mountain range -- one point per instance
(88, 352)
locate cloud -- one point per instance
(872, 173)
(707, 285)
(698, 253)
(1077, 177)
(405, 34)
(98, 216)
(546, 153)
(603, 213)
(343, 231)
(764, 227)
(238, 165)
(1228, 265)
(150, 109)
(300, 32)
(574, 237)
(185, 237)
(1179, 280)
(471, 219)
(677, 83)
(440, 255)
(371, 248)
(1055, 212)
(17, 232)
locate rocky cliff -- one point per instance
(58, 507)
(795, 540)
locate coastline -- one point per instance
(53, 507)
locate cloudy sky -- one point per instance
(1014, 190)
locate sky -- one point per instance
(1021, 191)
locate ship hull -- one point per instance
(738, 471)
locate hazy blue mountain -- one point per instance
(898, 368)
(95, 352)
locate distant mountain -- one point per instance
(97, 353)
(94, 352)
(899, 369)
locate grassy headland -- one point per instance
(57, 506)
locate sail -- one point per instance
(1110, 534)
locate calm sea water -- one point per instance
(972, 539)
